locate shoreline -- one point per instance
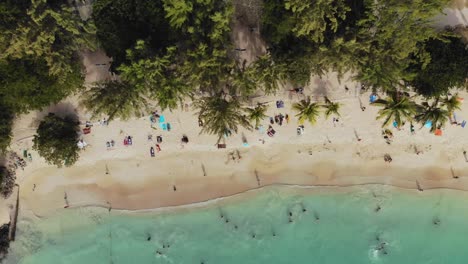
(153, 190)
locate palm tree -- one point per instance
(433, 113)
(451, 104)
(268, 73)
(307, 111)
(331, 108)
(397, 107)
(115, 99)
(221, 115)
(257, 114)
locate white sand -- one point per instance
(137, 181)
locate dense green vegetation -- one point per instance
(7, 182)
(4, 240)
(166, 51)
(39, 63)
(56, 140)
(447, 68)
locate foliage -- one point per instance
(205, 21)
(182, 47)
(26, 84)
(177, 12)
(6, 124)
(432, 112)
(53, 33)
(115, 99)
(451, 104)
(39, 42)
(396, 107)
(207, 68)
(268, 73)
(4, 240)
(257, 114)
(221, 115)
(313, 18)
(56, 140)
(307, 111)
(331, 108)
(156, 76)
(390, 35)
(7, 182)
(120, 23)
(448, 67)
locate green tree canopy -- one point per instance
(432, 112)
(390, 35)
(120, 23)
(221, 115)
(157, 77)
(25, 84)
(307, 111)
(452, 103)
(257, 114)
(56, 140)
(53, 33)
(115, 99)
(313, 18)
(447, 68)
(6, 124)
(396, 107)
(267, 73)
(7, 183)
(331, 108)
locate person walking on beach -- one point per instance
(65, 197)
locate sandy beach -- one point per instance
(329, 153)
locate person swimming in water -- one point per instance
(377, 209)
(317, 217)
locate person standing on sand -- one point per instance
(257, 177)
(238, 155)
(65, 197)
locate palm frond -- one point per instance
(307, 111)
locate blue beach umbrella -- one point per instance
(428, 124)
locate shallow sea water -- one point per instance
(274, 225)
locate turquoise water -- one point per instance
(328, 225)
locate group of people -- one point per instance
(278, 119)
(110, 144)
(158, 148)
(388, 136)
(154, 117)
(387, 158)
(128, 141)
(158, 138)
(234, 156)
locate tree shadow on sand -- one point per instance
(64, 109)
